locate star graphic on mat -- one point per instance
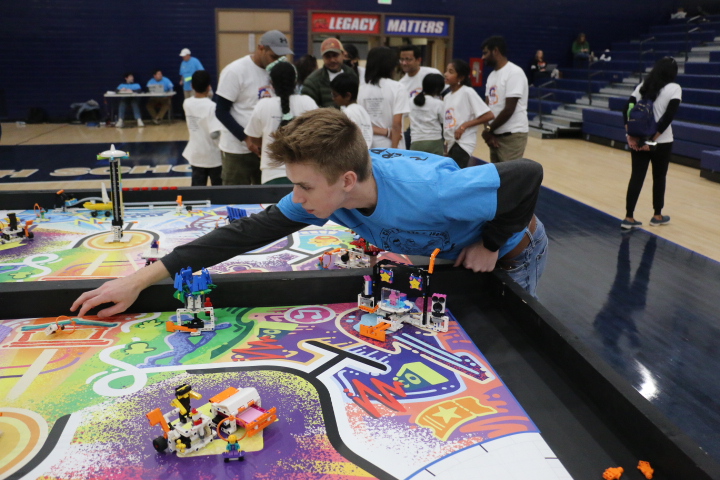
(446, 413)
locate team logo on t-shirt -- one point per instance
(415, 92)
(414, 242)
(492, 95)
(265, 91)
(450, 118)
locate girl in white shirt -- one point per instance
(275, 112)
(427, 115)
(384, 99)
(464, 111)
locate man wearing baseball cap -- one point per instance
(242, 84)
(188, 66)
(317, 84)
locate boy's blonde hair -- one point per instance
(325, 137)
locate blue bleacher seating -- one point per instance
(547, 105)
(684, 27)
(715, 56)
(700, 36)
(710, 160)
(687, 111)
(703, 68)
(605, 75)
(699, 81)
(702, 96)
(580, 85)
(565, 96)
(675, 45)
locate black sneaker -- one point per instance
(628, 225)
(654, 222)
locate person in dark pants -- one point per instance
(660, 87)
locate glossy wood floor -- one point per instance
(592, 174)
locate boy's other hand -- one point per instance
(477, 258)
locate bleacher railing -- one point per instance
(590, 76)
(641, 63)
(540, 99)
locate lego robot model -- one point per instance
(230, 410)
(114, 156)
(343, 258)
(13, 232)
(389, 308)
(192, 290)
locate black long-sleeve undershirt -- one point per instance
(222, 112)
(517, 196)
(664, 121)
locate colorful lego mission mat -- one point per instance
(418, 405)
(72, 245)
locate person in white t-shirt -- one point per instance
(202, 151)
(272, 113)
(242, 83)
(506, 93)
(385, 100)
(411, 64)
(344, 89)
(666, 95)
(464, 111)
(427, 115)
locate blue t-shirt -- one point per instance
(424, 202)
(165, 82)
(135, 87)
(186, 71)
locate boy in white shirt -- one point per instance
(344, 89)
(202, 149)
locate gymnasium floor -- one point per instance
(644, 301)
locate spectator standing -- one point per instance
(242, 83)
(158, 106)
(666, 95)
(275, 112)
(317, 84)
(345, 91)
(506, 93)
(427, 115)
(464, 111)
(414, 73)
(352, 59)
(385, 100)
(129, 86)
(188, 66)
(306, 65)
(202, 151)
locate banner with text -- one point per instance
(345, 23)
(421, 26)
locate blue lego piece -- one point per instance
(235, 213)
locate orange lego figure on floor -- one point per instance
(613, 473)
(646, 469)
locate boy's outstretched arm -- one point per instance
(238, 237)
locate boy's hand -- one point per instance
(120, 291)
(477, 258)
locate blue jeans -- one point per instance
(527, 267)
(135, 106)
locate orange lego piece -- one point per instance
(227, 393)
(173, 327)
(645, 469)
(613, 473)
(377, 332)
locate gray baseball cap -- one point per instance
(276, 41)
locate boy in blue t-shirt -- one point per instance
(158, 106)
(402, 201)
(129, 86)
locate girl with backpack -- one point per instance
(660, 95)
(427, 115)
(272, 113)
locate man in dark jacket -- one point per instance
(317, 84)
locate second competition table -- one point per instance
(115, 96)
(588, 416)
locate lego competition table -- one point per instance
(74, 244)
(504, 393)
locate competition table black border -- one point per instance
(588, 414)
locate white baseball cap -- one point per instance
(184, 51)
